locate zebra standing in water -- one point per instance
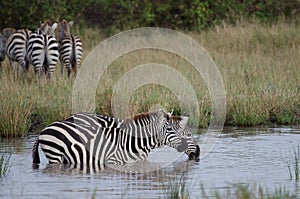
(120, 143)
(16, 49)
(98, 121)
(43, 49)
(70, 48)
(6, 33)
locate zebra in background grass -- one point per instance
(16, 49)
(120, 143)
(6, 33)
(70, 48)
(42, 50)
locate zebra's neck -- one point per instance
(143, 132)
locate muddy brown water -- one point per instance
(256, 156)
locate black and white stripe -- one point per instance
(91, 119)
(16, 48)
(81, 139)
(42, 51)
(70, 48)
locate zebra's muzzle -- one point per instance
(195, 155)
(183, 146)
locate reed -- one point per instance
(4, 164)
(293, 163)
(177, 188)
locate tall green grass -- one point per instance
(259, 64)
(27, 103)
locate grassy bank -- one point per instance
(259, 65)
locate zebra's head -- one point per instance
(48, 28)
(172, 133)
(178, 124)
(64, 30)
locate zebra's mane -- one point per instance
(176, 118)
(138, 117)
(141, 116)
(147, 115)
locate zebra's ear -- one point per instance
(170, 113)
(71, 23)
(54, 26)
(183, 122)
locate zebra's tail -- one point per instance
(35, 152)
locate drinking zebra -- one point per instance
(81, 142)
(70, 48)
(16, 48)
(96, 120)
(42, 50)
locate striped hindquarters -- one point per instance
(16, 47)
(66, 142)
(70, 53)
(77, 44)
(43, 53)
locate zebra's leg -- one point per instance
(68, 67)
(26, 66)
(74, 69)
(12, 64)
(62, 68)
(51, 69)
(22, 66)
(38, 69)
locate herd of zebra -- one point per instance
(88, 138)
(98, 140)
(41, 49)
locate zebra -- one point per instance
(16, 48)
(98, 120)
(120, 143)
(6, 33)
(42, 50)
(70, 48)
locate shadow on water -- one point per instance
(241, 156)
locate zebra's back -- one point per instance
(70, 53)
(43, 53)
(67, 142)
(16, 47)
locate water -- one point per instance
(247, 156)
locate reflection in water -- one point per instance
(254, 157)
(128, 172)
